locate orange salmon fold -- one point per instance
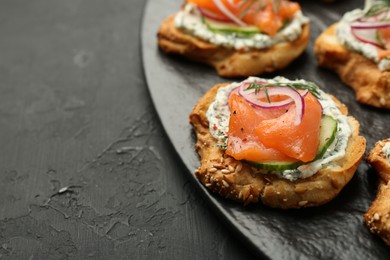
(267, 135)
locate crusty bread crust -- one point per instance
(227, 61)
(377, 217)
(238, 181)
(371, 85)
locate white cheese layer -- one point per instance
(218, 115)
(190, 20)
(345, 36)
(386, 151)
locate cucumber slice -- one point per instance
(275, 166)
(382, 36)
(328, 130)
(229, 27)
(379, 39)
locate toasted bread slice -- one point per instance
(371, 85)
(377, 217)
(227, 61)
(238, 181)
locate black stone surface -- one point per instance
(333, 231)
(86, 170)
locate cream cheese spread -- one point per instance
(345, 36)
(386, 151)
(218, 115)
(190, 20)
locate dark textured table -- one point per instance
(86, 170)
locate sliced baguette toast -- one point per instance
(238, 181)
(371, 85)
(227, 61)
(377, 217)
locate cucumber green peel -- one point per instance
(275, 166)
(328, 132)
(220, 27)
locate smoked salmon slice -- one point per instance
(243, 143)
(266, 135)
(384, 36)
(265, 18)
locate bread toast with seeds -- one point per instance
(239, 181)
(372, 86)
(377, 217)
(227, 61)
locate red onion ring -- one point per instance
(370, 25)
(261, 95)
(254, 99)
(213, 16)
(227, 12)
(234, 91)
(294, 97)
(366, 36)
(365, 28)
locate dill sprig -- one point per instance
(310, 86)
(377, 7)
(258, 87)
(257, 5)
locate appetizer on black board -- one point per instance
(237, 37)
(357, 48)
(282, 142)
(377, 217)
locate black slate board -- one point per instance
(335, 230)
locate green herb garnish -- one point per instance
(258, 87)
(221, 146)
(310, 86)
(377, 7)
(257, 5)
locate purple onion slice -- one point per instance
(228, 14)
(255, 98)
(210, 15)
(367, 36)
